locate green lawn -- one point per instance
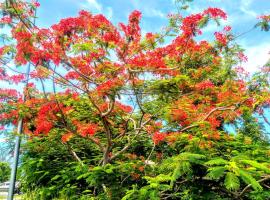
(5, 197)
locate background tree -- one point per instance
(4, 171)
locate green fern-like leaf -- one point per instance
(257, 165)
(231, 181)
(182, 168)
(248, 179)
(192, 157)
(216, 161)
(216, 172)
(158, 179)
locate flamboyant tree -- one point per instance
(120, 100)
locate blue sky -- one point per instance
(241, 16)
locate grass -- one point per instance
(2, 197)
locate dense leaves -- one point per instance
(4, 171)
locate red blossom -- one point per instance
(158, 137)
(242, 57)
(36, 3)
(2, 128)
(132, 30)
(221, 38)
(250, 102)
(227, 28)
(2, 50)
(5, 20)
(205, 85)
(72, 75)
(265, 18)
(216, 13)
(43, 127)
(87, 129)
(66, 137)
(125, 108)
(17, 78)
(179, 114)
(190, 24)
(213, 122)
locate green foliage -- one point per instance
(231, 181)
(4, 171)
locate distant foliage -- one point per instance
(4, 171)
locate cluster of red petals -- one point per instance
(122, 107)
(36, 3)
(66, 137)
(265, 18)
(250, 102)
(179, 115)
(2, 50)
(46, 116)
(149, 60)
(17, 78)
(87, 129)
(227, 28)
(8, 93)
(216, 13)
(221, 38)
(190, 24)
(159, 137)
(242, 57)
(72, 75)
(109, 85)
(241, 71)
(43, 126)
(214, 122)
(132, 30)
(5, 20)
(205, 85)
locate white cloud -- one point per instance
(91, 5)
(245, 7)
(156, 13)
(94, 5)
(257, 57)
(109, 13)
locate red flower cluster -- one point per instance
(221, 38)
(43, 126)
(45, 117)
(227, 28)
(205, 85)
(66, 137)
(132, 30)
(17, 78)
(216, 13)
(109, 85)
(35, 3)
(72, 75)
(158, 137)
(190, 24)
(87, 129)
(213, 122)
(8, 94)
(242, 57)
(265, 18)
(125, 108)
(179, 115)
(5, 20)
